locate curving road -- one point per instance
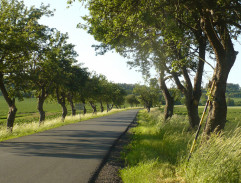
(68, 154)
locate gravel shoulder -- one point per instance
(109, 170)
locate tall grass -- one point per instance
(218, 160)
(158, 153)
(24, 129)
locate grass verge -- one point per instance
(158, 153)
(24, 129)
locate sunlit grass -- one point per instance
(218, 160)
(159, 151)
(27, 110)
(24, 129)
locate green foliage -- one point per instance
(132, 100)
(148, 96)
(230, 102)
(127, 87)
(182, 30)
(19, 35)
(177, 95)
(203, 99)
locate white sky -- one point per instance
(112, 65)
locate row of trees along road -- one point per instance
(174, 36)
(36, 58)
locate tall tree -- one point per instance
(93, 87)
(19, 35)
(76, 82)
(64, 56)
(220, 21)
(118, 95)
(134, 25)
(42, 71)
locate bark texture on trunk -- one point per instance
(192, 111)
(11, 116)
(84, 111)
(193, 93)
(61, 101)
(109, 107)
(41, 110)
(101, 107)
(64, 112)
(225, 54)
(148, 109)
(84, 108)
(218, 111)
(93, 107)
(168, 111)
(189, 102)
(41, 98)
(70, 100)
(11, 104)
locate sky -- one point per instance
(112, 65)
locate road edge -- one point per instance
(96, 173)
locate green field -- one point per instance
(233, 115)
(27, 110)
(236, 99)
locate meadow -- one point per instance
(27, 110)
(159, 150)
(26, 122)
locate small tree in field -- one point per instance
(132, 100)
(148, 96)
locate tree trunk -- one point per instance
(11, 104)
(225, 54)
(192, 111)
(93, 107)
(11, 116)
(109, 107)
(64, 111)
(61, 101)
(41, 99)
(168, 111)
(218, 111)
(193, 94)
(41, 110)
(101, 107)
(84, 110)
(70, 100)
(148, 108)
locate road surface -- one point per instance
(68, 154)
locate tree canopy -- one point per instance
(128, 26)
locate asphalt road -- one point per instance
(68, 154)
